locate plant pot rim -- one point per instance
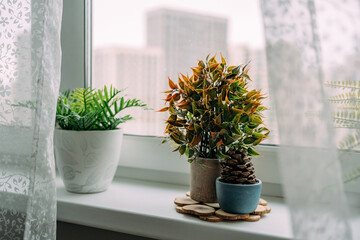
(240, 184)
(94, 131)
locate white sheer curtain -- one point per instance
(29, 83)
(309, 42)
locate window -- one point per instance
(143, 156)
(137, 45)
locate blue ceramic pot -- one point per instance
(238, 198)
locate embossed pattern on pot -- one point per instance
(87, 160)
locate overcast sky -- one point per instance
(122, 22)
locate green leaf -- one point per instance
(248, 130)
(236, 70)
(223, 156)
(197, 127)
(257, 142)
(191, 153)
(182, 149)
(256, 121)
(249, 140)
(223, 132)
(258, 135)
(244, 118)
(176, 149)
(122, 100)
(242, 90)
(230, 76)
(252, 152)
(245, 75)
(218, 120)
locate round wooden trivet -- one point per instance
(208, 212)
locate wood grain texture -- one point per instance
(268, 209)
(212, 218)
(230, 216)
(214, 205)
(260, 210)
(262, 202)
(182, 201)
(179, 209)
(199, 210)
(252, 218)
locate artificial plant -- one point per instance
(91, 109)
(347, 115)
(213, 114)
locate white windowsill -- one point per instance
(146, 209)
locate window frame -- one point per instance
(138, 159)
(76, 44)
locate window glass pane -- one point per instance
(138, 44)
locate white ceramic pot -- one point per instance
(87, 160)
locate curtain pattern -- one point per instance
(306, 43)
(29, 83)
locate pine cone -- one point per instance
(238, 169)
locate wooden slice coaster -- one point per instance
(252, 218)
(260, 210)
(179, 209)
(268, 209)
(262, 202)
(182, 201)
(188, 194)
(211, 218)
(199, 210)
(214, 205)
(230, 216)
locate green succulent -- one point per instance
(91, 109)
(213, 110)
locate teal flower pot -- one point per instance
(238, 198)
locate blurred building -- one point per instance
(256, 58)
(185, 37)
(175, 41)
(140, 72)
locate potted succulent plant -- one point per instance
(88, 138)
(214, 118)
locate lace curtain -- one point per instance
(308, 43)
(29, 83)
